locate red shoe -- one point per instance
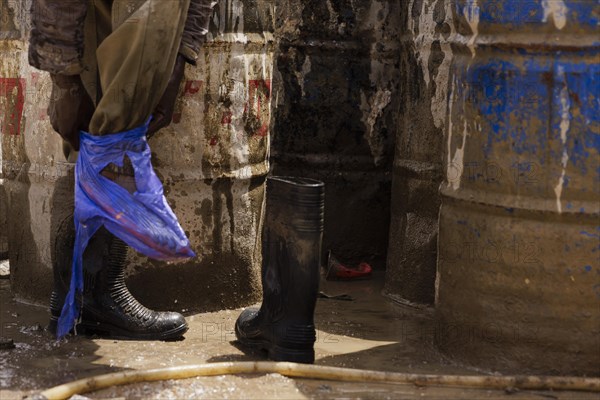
(336, 271)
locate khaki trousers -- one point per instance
(130, 52)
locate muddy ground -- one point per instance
(369, 332)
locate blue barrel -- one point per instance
(518, 269)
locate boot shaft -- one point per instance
(296, 203)
(104, 262)
(292, 236)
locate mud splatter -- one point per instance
(453, 172)
(557, 10)
(375, 109)
(428, 29)
(423, 30)
(565, 125)
(301, 75)
(472, 12)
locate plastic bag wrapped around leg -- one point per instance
(143, 219)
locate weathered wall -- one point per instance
(212, 160)
(30, 156)
(3, 221)
(518, 272)
(425, 61)
(9, 30)
(335, 120)
(213, 163)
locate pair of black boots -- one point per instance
(283, 325)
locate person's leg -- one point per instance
(98, 26)
(135, 61)
(127, 70)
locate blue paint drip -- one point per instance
(592, 235)
(509, 98)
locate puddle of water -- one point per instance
(370, 333)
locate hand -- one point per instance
(70, 109)
(163, 113)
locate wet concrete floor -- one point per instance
(369, 332)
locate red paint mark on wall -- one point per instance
(12, 101)
(36, 89)
(226, 118)
(35, 78)
(192, 87)
(257, 113)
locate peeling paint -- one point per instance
(426, 31)
(372, 110)
(472, 14)
(565, 124)
(333, 16)
(439, 103)
(557, 10)
(382, 78)
(231, 17)
(456, 165)
(425, 26)
(453, 174)
(302, 74)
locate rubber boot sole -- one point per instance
(278, 353)
(113, 332)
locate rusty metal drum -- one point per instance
(3, 222)
(335, 120)
(31, 158)
(212, 160)
(3, 217)
(426, 56)
(518, 285)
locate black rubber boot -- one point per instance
(291, 249)
(108, 308)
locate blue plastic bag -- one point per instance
(143, 219)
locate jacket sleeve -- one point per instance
(196, 28)
(56, 42)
